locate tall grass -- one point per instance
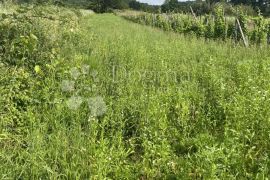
(176, 107)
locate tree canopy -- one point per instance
(206, 6)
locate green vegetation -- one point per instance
(176, 107)
(201, 7)
(214, 26)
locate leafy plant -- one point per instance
(259, 34)
(220, 26)
(216, 26)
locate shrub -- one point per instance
(26, 43)
(29, 43)
(220, 27)
(259, 34)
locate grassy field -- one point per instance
(125, 101)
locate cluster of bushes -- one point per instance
(203, 7)
(214, 26)
(29, 48)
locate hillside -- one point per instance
(118, 100)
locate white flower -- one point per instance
(74, 102)
(94, 73)
(85, 69)
(97, 106)
(68, 86)
(91, 119)
(75, 73)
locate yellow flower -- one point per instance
(33, 37)
(38, 69)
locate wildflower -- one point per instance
(34, 37)
(38, 69)
(74, 102)
(91, 118)
(97, 106)
(68, 86)
(85, 69)
(75, 73)
(94, 73)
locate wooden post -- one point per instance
(268, 35)
(235, 32)
(242, 34)
(206, 20)
(194, 15)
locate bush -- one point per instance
(259, 34)
(29, 43)
(220, 26)
(26, 43)
(248, 10)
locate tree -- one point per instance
(102, 6)
(135, 5)
(144, 7)
(170, 6)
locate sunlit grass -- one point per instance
(162, 105)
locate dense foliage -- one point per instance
(90, 96)
(135, 5)
(99, 6)
(204, 7)
(199, 7)
(215, 26)
(108, 5)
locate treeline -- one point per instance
(200, 7)
(205, 7)
(135, 5)
(101, 6)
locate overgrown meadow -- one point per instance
(87, 96)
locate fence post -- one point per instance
(235, 32)
(194, 15)
(242, 34)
